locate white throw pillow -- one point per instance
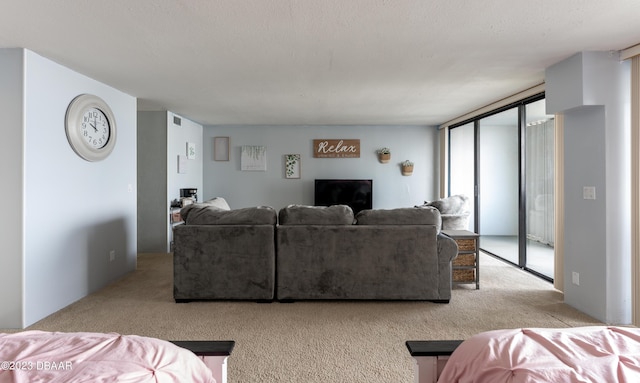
(218, 202)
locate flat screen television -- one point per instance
(357, 194)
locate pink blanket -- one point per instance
(36, 356)
(585, 354)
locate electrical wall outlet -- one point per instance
(112, 255)
(575, 278)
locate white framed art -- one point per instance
(191, 151)
(253, 158)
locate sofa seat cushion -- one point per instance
(201, 214)
(316, 215)
(399, 216)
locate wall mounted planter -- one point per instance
(407, 168)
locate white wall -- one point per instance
(152, 182)
(75, 211)
(178, 136)
(592, 90)
(586, 220)
(248, 188)
(11, 153)
(160, 141)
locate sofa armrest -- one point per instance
(447, 248)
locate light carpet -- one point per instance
(317, 341)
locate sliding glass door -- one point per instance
(504, 161)
(462, 165)
(540, 185)
(498, 184)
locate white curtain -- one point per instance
(540, 181)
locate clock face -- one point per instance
(91, 127)
(95, 128)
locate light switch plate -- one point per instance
(589, 192)
(575, 278)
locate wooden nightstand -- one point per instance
(466, 266)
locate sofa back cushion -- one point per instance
(316, 215)
(400, 216)
(202, 214)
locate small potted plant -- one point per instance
(384, 155)
(407, 168)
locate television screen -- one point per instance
(357, 194)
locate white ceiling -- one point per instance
(310, 62)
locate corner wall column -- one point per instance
(558, 277)
(444, 162)
(635, 189)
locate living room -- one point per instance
(271, 187)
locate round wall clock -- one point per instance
(91, 127)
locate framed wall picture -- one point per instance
(253, 158)
(191, 151)
(221, 148)
(292, 166)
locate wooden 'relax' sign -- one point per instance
(336, 148)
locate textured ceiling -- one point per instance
(309, 62)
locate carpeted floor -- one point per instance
(316, 341)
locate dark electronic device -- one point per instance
(357, 194)
(189, 193)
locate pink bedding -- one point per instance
(36, 356)
(585, 354)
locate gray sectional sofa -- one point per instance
(309, 253)
(327, 253)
